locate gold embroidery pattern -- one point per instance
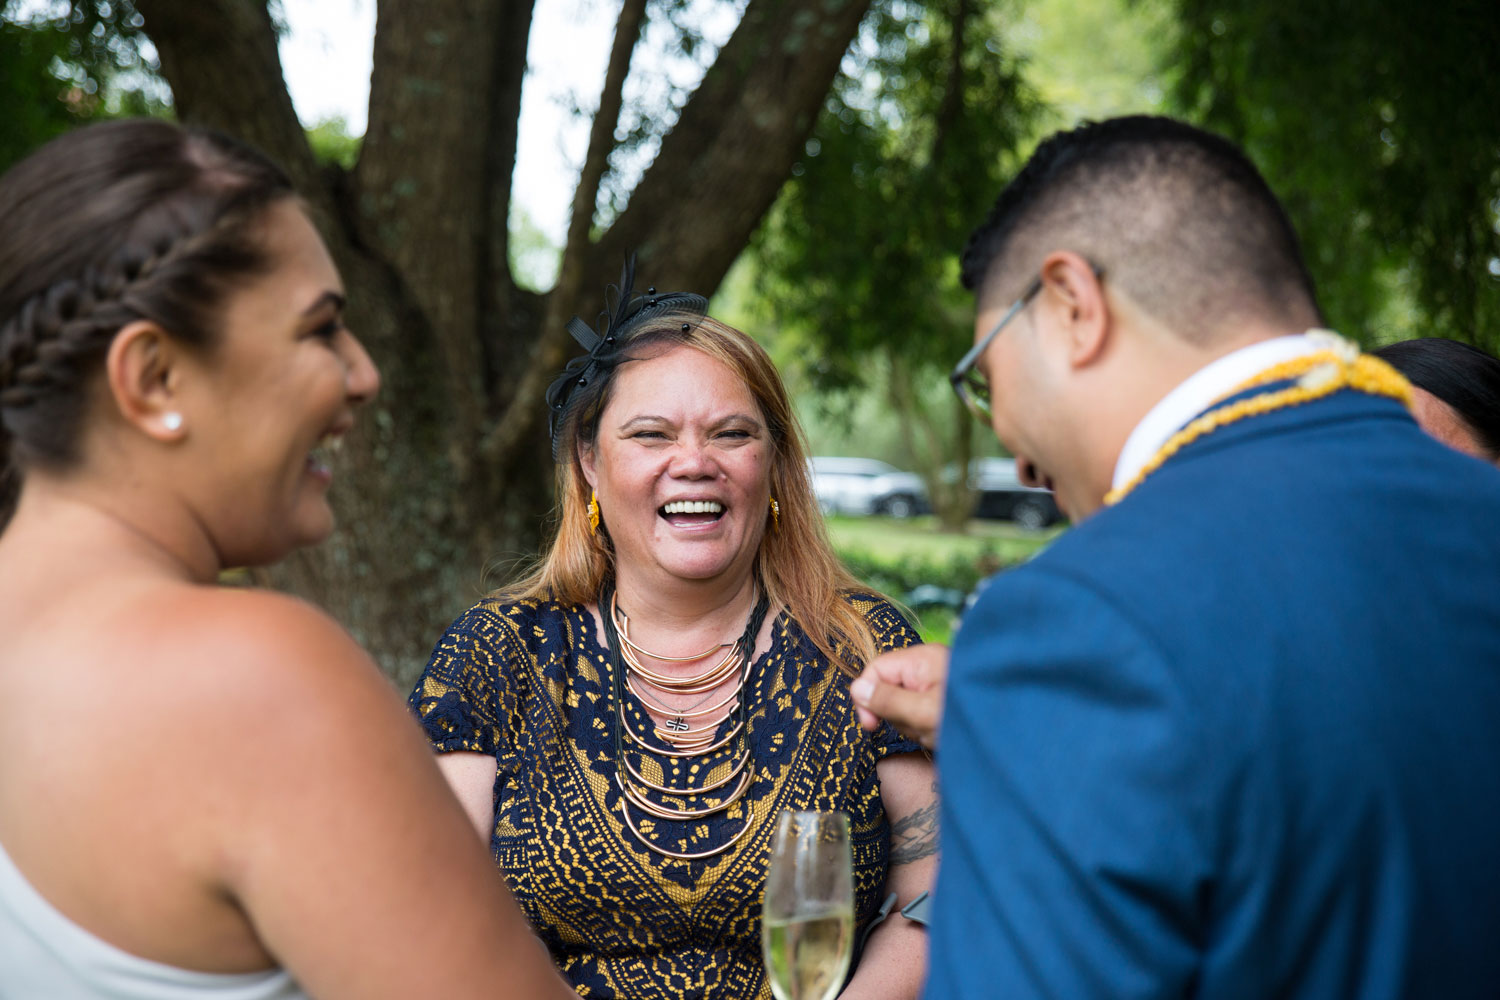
(529, 685)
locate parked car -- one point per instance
(866, 486)
(1003, 496)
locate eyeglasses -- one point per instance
(968, 382)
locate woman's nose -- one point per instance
(694, 460)
(363, 379)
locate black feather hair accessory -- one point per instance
(604, 347)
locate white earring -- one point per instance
(172, 421)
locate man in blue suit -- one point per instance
(1237, 733)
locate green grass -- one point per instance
(937, 625)
(895, 555)
(894, 539)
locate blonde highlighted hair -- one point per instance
(796, 564)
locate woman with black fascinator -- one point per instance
(625, 724)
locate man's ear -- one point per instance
(143, 369)
(1071, 289)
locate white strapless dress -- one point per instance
(45, 956)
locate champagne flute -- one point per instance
(807, 919)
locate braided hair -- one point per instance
(113, 223)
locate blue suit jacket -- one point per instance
(1239, 735)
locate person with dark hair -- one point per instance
(174, 369)
(626, 723)
(1455, 392)
(1234, 734)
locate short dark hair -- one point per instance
(1464, 377)
(1178, 217)
(115, 222)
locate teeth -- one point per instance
(694, 507)
(328, 445)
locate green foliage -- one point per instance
(898, 578)
(101, 54)
(679, 41)
(1078, 58)
(894, 557)
(913, 143)
(861, 422)
(1094, 59)
(858, 258)
(39, 103)
(917, 542)
(1375, 122)
(331, 142)
(70, 63)
(534, 258)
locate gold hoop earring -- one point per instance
(593, 512)
(775, 514)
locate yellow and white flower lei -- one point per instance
(1337, 364)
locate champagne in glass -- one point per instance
(807, 920)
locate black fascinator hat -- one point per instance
(582, 382)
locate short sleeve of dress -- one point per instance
(459, 699)
(890, 630)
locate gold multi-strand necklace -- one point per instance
(676, 729)
(1338, 365)
(684, 742)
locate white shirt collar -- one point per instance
(1198, 392)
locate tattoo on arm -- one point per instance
(914, 836)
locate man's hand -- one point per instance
(905, 687)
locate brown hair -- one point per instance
(796, 564)
(103, 226)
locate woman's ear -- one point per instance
(143, 368)
(586, 462)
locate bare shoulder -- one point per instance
(259, 638)
(278, 716)
(249, 623)
(318, 776)
(243, 661)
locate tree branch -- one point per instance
(602, 134)
(953, 88)
(221, 60)
(502, 307)
(721, 166)
(716, 174)
(422, 174)
(522, 415)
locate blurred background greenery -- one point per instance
(1373, 120)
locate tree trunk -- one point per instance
(952, 499)
(449, 477)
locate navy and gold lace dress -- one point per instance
(529, 684)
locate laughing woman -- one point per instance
(172, 824)
(684, 650)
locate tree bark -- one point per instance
(952, 500)
(450, 473)
(550, 354)
(718, 170)
(227, 48)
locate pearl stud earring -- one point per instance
(172, 421)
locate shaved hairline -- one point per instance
(1172, 226)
